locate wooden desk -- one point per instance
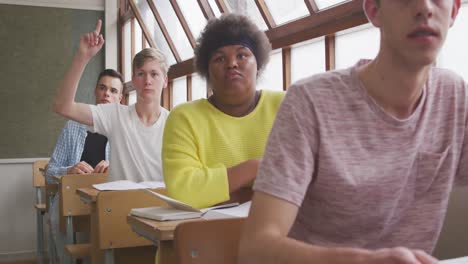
(110, 233)
(192, 240)
(159, 233)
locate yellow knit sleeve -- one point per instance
(186, 178)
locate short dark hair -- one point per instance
(225, 29)
(111, 73)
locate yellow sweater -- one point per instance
(200, 143)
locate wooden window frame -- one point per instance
(319, 23)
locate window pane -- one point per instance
(214, 7)
(138, 38)
(272, 76)
(198, 87)
(349, 48)
(285, 11)
(307, 58)
(154, 30)
(127, 52)
(132, 96)
(179, 91)
(323, 4)
(193, 15)
(247, 8)
(454, 54)
(174, 28)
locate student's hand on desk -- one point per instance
(80, 168)
(91, 43)
(101, 167)
(401, 255)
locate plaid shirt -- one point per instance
(68, 149)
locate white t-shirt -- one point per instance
(135, 150)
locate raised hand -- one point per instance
(91, 42)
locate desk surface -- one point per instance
(463, 260)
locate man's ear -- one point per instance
(455, 8)
(371, 9)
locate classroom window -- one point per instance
(154, 30)
(132, 97)
(324, 4)
(248, 8)
(349, 48)
(198, 87)
(272, 76)
(194, 16)
(454, 54)
(179, 91)
(174, 28)
(307, 58)
(214, 7)
(128, 51)
(138, 38)
(285, 11)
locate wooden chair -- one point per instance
(50, 191)
(38, 174)
(210, 241)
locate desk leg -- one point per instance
(109, 256)
(97, 256)
(40, 236)
(69, 238)
(166, 252)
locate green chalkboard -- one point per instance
(36, 47)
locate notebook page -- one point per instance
(119, 186)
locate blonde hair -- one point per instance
(150, 54)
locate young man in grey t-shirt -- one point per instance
(360, 162)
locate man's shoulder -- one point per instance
(446, 75)
(195, 107)
(443, 81)
(327, 84)
(71, 125)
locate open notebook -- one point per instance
(177, 210)
(128, 185)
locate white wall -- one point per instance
(17, 214)
(73, 4)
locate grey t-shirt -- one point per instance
(361, 177)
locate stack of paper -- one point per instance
(128, 185)
(178, 210)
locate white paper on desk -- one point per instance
(127, 185)
(119, 186)
(183, 206)
(173, 203)
(463, 260)
(153, 184)
(232, 212)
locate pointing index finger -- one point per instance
(98, 27)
